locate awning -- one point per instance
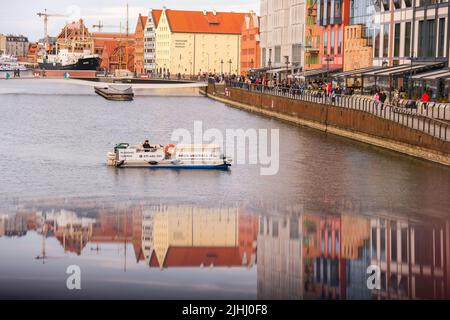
(405, 69)
(259, 70)
(433, 75)
(356, 72)
(318, 72)
(277, 70)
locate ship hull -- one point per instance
(90, 64)
(179, 167)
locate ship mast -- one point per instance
(126, 49)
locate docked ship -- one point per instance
(10, 64)
(66, 60)
(168, 157)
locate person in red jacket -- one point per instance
(425, 99)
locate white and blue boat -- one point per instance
(207, 156)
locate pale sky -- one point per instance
(19, 16)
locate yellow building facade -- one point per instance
(193, 42)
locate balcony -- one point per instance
(312, 44)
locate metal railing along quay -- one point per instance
(421, 120)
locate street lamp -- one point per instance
(410, 84)
(208, 61)
(328, 60)
(230, 62)
(286, 60)
(221, 63)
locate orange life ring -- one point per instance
(170, 149)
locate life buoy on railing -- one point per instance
(170, 149)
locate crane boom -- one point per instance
(45, 15)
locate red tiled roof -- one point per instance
(196, 256)
(142, 21)
(156, 16)
(111, 35)
(199, 22)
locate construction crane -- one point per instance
(100, 26)
(46, 15)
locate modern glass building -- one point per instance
(362, 12)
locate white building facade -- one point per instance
(150, 41)
(282, 32)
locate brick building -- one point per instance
(358, 51)
(139, 44)
(75, 37)
(250, 43)
(14, 45)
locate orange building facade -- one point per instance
(250, 43)
(139, 44)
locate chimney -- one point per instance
(215, 12)
(204, 12)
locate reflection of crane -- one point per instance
(46, 15)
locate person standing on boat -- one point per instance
(146, 146)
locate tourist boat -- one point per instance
(10, 64)
(115, 93)
(66, 60)
(168, 157)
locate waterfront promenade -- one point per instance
(417, 132)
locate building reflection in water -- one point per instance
(298, 256)
(326, 257)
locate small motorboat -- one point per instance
(115, 93)
(168, 157)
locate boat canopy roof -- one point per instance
(198, 146)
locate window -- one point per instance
(393, 241)
(404, 245)
(332, 8)
(325, 43)
(296, 53)
(397, 40)
(431, 52)
(328, 12)
(441, 40)
(339, 41)
(277, 54)
(386, 40)
(383, 243)
(263, 58)
(294, 231)
(275, 229)
(377, 43)
(332, 42)
(421, 39)
(337, 12)
(407, 52)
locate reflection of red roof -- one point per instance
(195, 257)
(199, 22)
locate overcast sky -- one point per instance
(19, 16)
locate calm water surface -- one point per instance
(335, 207)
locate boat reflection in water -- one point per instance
(295, 255)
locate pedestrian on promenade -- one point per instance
(425, 99)
(382, 99)
(376, 98)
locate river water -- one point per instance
(335, 207)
